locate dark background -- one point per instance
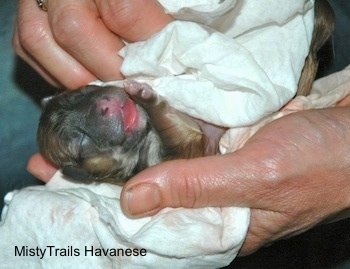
(327, 246)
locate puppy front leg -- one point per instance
(180, 135)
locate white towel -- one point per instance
(227, 62)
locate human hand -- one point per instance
(76, 42)
(293, 174)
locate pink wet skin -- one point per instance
(127, 108)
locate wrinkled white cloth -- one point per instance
(63, 215)
(232, 63)
(326, 92)
(245, 65)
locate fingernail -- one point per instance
(142, 198)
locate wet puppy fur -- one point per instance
(108, 134)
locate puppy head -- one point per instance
(94, 133)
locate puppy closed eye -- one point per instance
(87, 147)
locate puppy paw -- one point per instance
(141, 93)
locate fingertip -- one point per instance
(141, 200)
(41, 168)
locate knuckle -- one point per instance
(69, 27)
(118, 14)
(272, 168)
(191, 192)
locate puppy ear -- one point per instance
(46, 100)
(77, 174)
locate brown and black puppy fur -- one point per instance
(109, 133)
(323, 29)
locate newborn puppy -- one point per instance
(109, 133)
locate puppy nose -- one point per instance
(109, 106)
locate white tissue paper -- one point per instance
(227, 62)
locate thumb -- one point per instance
(223, 180)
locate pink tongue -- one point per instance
(130, 114)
